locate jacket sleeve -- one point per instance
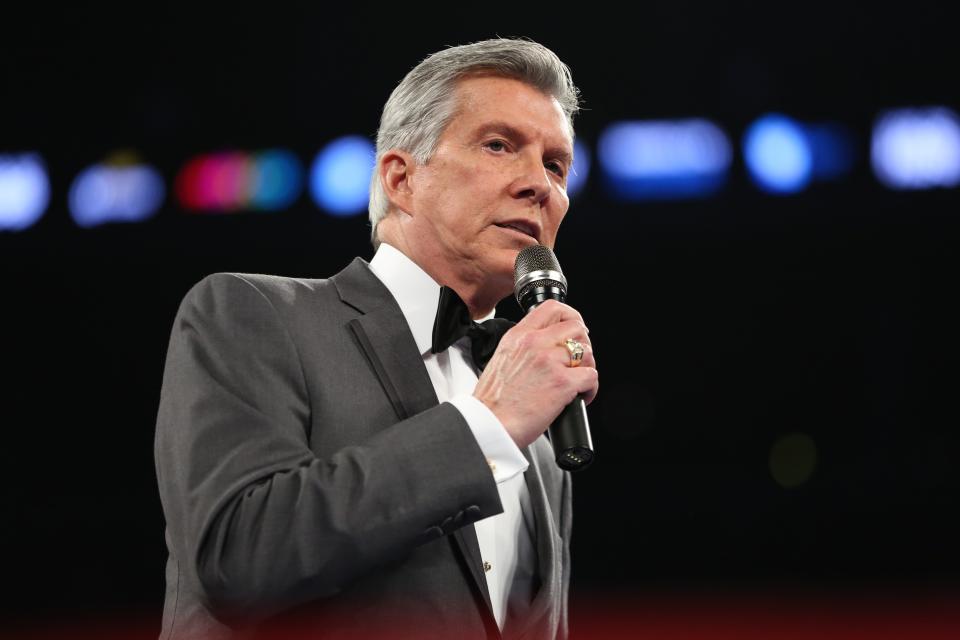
(265, 522)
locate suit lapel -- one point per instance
(388, 345)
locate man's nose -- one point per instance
(532, 181)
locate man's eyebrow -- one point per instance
(509, 131)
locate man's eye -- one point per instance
(556, 167)
(496, 145)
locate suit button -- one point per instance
(447, 525)
(472, 513)
(433, 533)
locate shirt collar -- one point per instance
(417, 294)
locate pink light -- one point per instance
(229, 180)
(218, 182)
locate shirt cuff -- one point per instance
(502, 453)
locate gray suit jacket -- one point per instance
(311, 481)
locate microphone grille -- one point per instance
(535, 258)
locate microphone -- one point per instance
(537, 278)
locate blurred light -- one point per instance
(202, 184)
(24, 191)
(277, 180)
(778, 154)
(664, 159)
(229, 180)
(580, 170)
(917, 148)
(104, 193)
(237, 180)
(793, 459)
(341, 174)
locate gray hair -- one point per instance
(422, 105)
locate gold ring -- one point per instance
(576, 351)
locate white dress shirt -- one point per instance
(506, 539)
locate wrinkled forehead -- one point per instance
(485, 97)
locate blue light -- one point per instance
(778, 154)
(664, 159)
(24, 191)
(340, 175)
(581, 169)
(104, 193)
(277, 180)
(917, 148)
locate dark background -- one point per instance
(720, 325)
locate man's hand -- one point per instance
(529, 380)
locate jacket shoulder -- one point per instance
(263, 283)
(226, 288)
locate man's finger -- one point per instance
(548, 313)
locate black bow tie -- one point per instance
(453, 322)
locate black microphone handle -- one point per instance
(537, 278)
(570, 436)
(570, 432)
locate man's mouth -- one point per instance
(525, 228)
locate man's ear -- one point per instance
(396, 170)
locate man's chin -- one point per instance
(499, 272)
(509, 260)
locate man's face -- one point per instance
(496, 182)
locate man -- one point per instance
(324, 457)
